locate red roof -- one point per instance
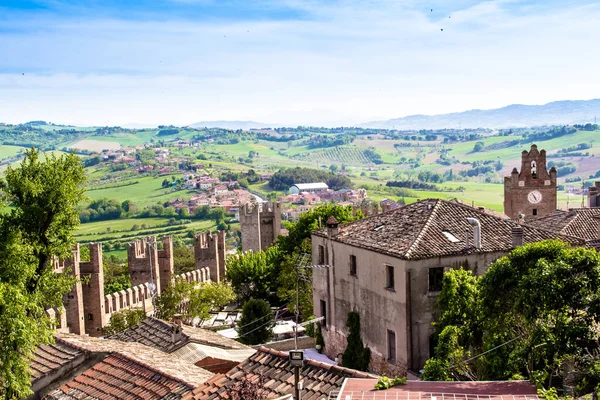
(418, 390)
(120, 377)
(274, 366)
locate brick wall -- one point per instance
(93, 291)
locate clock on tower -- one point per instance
(530, 192)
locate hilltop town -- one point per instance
(177, 307)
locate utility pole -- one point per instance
(297, 356)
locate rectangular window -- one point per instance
(321, 260)
(353, 265)
(324, 313)
(436, 275)
(390, 277)
(535, 211)
(391, 337)
(90, 317)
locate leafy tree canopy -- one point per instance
(256, 324)
(43, 191)
(192, 300)
(533, 310)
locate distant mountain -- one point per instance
(233, 125)
(516, 115)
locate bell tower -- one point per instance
(530, 192)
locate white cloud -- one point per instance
(352, 60)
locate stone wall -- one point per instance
(93, 291)
(209, 252)
(165, 262)
(142, 258)
(260, 225)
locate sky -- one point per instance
(289, 62)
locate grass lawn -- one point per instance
(10, 151)
(119, 225)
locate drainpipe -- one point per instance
(476, 231)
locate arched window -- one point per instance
(533, 169)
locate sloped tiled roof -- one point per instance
(157, 333)
(120, 377)
(51, 357)
(161, 361)
(434, 227)
(318, 378)
(154, 333)
(580, 222)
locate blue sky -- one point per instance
(289, 61)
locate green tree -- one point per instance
(532, 310)
(478, 147)
(256, 324)
(310, 221)
(184, 259)
(192, 300)
(123, 320)
(253, 274)
(356, 355)
(43, 192)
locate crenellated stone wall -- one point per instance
(209, 252)
(260, 225)
(93, 291)
(142, 258)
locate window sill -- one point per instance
(353, 276)
(391, 289)
(434, 293)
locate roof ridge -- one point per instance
(424, 228)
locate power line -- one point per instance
(490, 350)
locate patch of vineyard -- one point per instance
(341, 155)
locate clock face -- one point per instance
(534, 197)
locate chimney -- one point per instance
(517, 236)
(332, 226)
(178, 320)
(476, 231)
(176, 328)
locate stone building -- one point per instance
(594, 195)
(389, 268)
(530, 192)
(209, 252)
(260, 225)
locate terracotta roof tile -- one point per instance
(51, 357)
(318, 378)
(432, 228)
(167, 363)
(120, 377)
(152, 332)
(580, 222)
(157, 333)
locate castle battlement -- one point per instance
(209, 252)
(260, 225)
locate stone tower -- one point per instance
(93, 291)
(73, 301)
(260, 225)
(166, 262)
(531, 191)
(594, 195)
(142, 258)
(209, 252)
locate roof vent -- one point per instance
(476, 231)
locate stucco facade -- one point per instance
(406, 310)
